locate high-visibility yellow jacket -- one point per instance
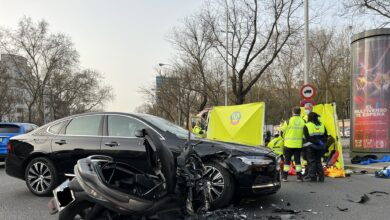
(293, 132)
(276, 145)
(198, 131)
(315, 130)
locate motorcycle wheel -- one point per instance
(76, 211)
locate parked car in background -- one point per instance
(8, 130)
(42, 157)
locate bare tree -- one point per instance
(78, 92)
(258, 30)
(7, 97)
(52, 77)
(331, 67)
(377, 7)
(46, 52)
(193, 41)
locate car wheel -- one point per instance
(222, 185)
(41, 176)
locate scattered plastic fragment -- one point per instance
(287, 211)
(378, 192)
(363, 199)
(342, 209)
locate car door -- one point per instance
(121, 143)
(79, 138)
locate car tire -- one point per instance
(219, 176)
(41, 176)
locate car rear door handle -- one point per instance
(112, 144)
(60, 142)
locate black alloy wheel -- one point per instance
(41, 176)
(221, 185)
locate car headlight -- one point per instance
(255, 160)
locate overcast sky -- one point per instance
(123, 39)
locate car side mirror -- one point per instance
(140, 133)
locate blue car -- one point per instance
(8, 130)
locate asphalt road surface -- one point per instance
(311, 200)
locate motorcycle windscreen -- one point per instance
(160, 158)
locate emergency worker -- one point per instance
(308, 108)
(315, 138)
(276, 145)
(293, 138)
(198, 130)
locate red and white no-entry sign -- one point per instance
(308, 91)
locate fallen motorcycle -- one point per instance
(105, 189)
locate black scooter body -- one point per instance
(126, 191)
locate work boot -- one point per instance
(284, 176)
(306, 178)
(299, 177)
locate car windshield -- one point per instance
(167, 126)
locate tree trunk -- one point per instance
(240, 98)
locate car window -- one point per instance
(28, 128)
(9, 129)
(121, 126)
(55, 129)
(87, 125)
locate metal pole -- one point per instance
(227, 55)
(307, 64)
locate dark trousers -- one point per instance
(288, 153)
(304, 153)
(315, 165)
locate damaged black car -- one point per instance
(43, 157)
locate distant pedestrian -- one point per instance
(293, 138)
(315, 138)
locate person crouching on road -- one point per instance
(293, 138)
(315, 138)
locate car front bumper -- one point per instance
(255, 179)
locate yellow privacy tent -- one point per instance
(328, 116)
(239, 123)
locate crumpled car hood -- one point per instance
(210, 147)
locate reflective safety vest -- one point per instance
(293, 132)
(198, 131)
(276, 145)
(315, 130)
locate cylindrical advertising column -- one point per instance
(370, 101)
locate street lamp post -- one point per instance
(178, 96)
(307, 66)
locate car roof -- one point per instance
(108, 113)
(135, 115)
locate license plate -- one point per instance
(63, 196)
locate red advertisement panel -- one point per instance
(371, 94)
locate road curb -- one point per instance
(368, 168)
